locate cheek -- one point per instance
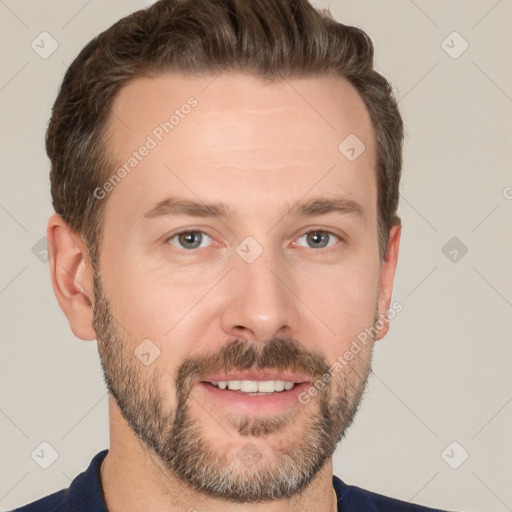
(159, 304)
(141, 301)
(344, 298)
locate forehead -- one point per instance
(233, 136)
(328, 107)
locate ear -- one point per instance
(72, 276)
(387, 277)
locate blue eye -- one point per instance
(319, 239)
(189, 239)
(195, 239)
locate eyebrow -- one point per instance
(174, 206)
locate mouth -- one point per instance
(258, 393)
(262, 387)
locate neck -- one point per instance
(133, 480)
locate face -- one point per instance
(239, 257)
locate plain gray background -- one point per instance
(442, 384)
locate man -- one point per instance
(225, 180)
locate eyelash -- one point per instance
(194, 231)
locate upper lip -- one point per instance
(257, 376)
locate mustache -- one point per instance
(280, 353)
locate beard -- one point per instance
(176, 438)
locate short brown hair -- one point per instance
(271, 39)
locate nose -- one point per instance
(259, 302)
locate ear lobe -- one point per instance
(72, 276)
(387, 277)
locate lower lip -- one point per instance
(272, 403)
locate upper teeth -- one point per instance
(253, 386)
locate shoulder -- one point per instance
(355, 499)
(84, 493)
(56, 502)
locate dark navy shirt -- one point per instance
(85, 495)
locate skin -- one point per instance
(260, 148)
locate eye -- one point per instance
(188, 239)
(319, 239)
